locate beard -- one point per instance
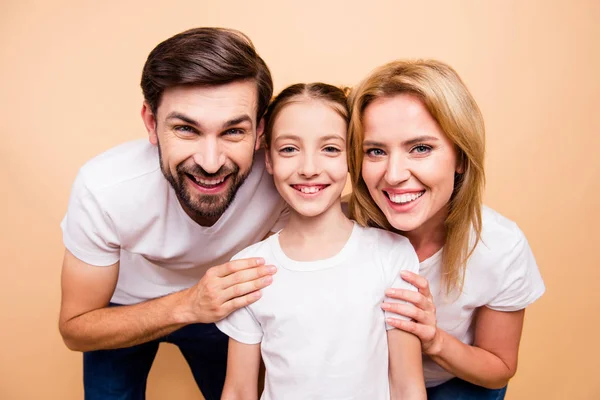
(204, 206)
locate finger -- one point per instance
(247, 275)
(237, 265)
(418, 281)
(411, 296)
(407, 310)
(242, 289)
(419, 330)
(240, 302)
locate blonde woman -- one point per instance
(416, 150)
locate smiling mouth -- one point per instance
(208, 183)
(309, 189)
(403, 198)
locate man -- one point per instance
(150, 227)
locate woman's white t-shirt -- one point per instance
(501, 274)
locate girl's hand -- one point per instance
(421, 309)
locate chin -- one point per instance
(404, 223)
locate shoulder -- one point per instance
(383, 240)
(123, 163)
(389, 247)
(260, 249)
(499, 234)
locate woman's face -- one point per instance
(409, 163)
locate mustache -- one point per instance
(198, 171)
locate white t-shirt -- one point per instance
(123, 209)
(320, 324)
(501, 274)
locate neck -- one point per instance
(430, 237)
(320, 234)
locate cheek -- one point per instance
(241, 154)
(339, 168)
(372, 174)
(283, 168)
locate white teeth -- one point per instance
(404, 198)
(209, 182)
(310, 189)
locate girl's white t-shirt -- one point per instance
(501, 274)
(320, 324)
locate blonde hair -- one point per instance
(451, 105)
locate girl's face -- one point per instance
(307, 156)
(409, 163)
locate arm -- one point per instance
(243, 361)
(405, 366)
(490, 362)
(86, 322)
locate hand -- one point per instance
(226, 288)
(421, 309)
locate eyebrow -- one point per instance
(191, 121)
(410, 142)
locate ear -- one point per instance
(260, 131)
(150, 123)
(268, 163)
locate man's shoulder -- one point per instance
(120, 164)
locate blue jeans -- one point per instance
(457, 389)
(121, 374)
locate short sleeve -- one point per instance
(402, 257)
(242, 326)
(88, 232)
(521, 282)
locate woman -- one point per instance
(416, 150)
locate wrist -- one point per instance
(182, 310)
(436, 345)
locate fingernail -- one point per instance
(256, 295)
(404, 273)
(260, 261)
(390, 292)
(386, 306)
(268, 279)
(272, 268)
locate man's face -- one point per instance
(206, 138)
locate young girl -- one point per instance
(416, 162)
(319, 327)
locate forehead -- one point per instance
(211, 105)
(309, 117)
(400, 115)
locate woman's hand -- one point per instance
(421, 310)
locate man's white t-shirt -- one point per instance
(320, 324)
(123, 209)
(501, 274)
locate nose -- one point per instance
(209, 155)
(309, 166)
(397, 170)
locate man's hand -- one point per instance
(225, 288)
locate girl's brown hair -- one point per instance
(335, 96)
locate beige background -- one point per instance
(69, 72)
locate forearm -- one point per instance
(405, 366)
(230, 392)
(126, 326)
(470, 363)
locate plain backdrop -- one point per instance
(69, 89)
